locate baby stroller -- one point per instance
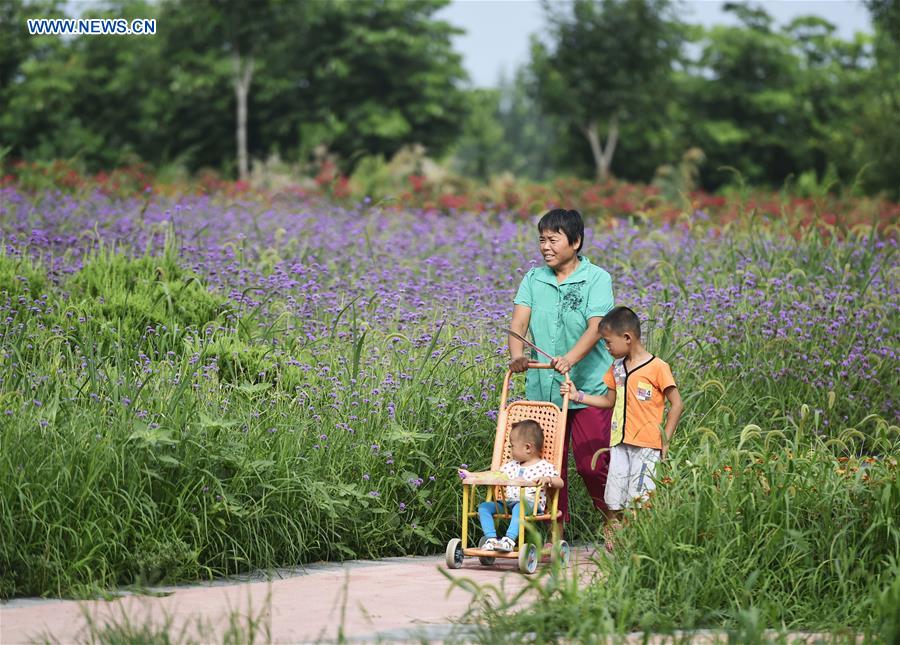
(553, 422)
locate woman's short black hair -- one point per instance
(620, 320)
(567, 222)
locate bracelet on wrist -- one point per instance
(579, 397)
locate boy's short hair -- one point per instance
(567, 222)
(531, 431)
(620, 320)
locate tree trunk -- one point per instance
(603, 155)
(243, 74)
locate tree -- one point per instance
(481, 147)
(605, 61)
(776, 104)
(886, 15)
(16, 44)
(225, 80)
(34, 90)
(747, 110)
(243, 33)
(879, 117)
(832, 76)
(117, 95)
(358, 77)
(384, 75)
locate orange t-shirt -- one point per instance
(640, 402)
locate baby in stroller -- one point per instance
(526, 440)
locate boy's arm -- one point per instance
(607, 400)
(676, 407)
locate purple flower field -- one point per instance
(813, 316)
(301, 383)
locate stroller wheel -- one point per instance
(454, 554)
(482, 559)
(562, 553)
(528, 558)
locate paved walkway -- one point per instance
(390, 600)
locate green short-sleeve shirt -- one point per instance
(559, 315)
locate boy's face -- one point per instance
(617, 345)
(519, 449)
(556, 248)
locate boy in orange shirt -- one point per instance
(639, 385)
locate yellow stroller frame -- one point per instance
(553, 422)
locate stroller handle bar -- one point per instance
(532, 366)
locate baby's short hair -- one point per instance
(620, 320)
(530, 430)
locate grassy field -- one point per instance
(198, 386)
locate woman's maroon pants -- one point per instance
(587, 429)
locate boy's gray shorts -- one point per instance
(630, 478)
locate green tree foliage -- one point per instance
(37, 81)
(116, 98)
(879, 117)
(384, 74)
(606, 62)
(765, 94)
(16, 45)
(506, 131)
(358, 77)
(796, 102)
(355, 77)
(230, 43)
(541, 143)
(792, 103)
(482, 149)
(886, 14)
(746, 98)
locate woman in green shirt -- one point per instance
(561, 304)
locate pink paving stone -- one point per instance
(382, 599)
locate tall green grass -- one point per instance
(162, 435)
(215, 456)
(778, 510)
(767, 526)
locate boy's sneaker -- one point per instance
(490, 544)
(505, 545)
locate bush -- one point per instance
(137, 297)
(19, 275)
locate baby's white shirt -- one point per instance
(515, 470)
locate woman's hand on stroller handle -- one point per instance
(561, 364)
(519, 364)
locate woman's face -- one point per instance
(556, 249)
